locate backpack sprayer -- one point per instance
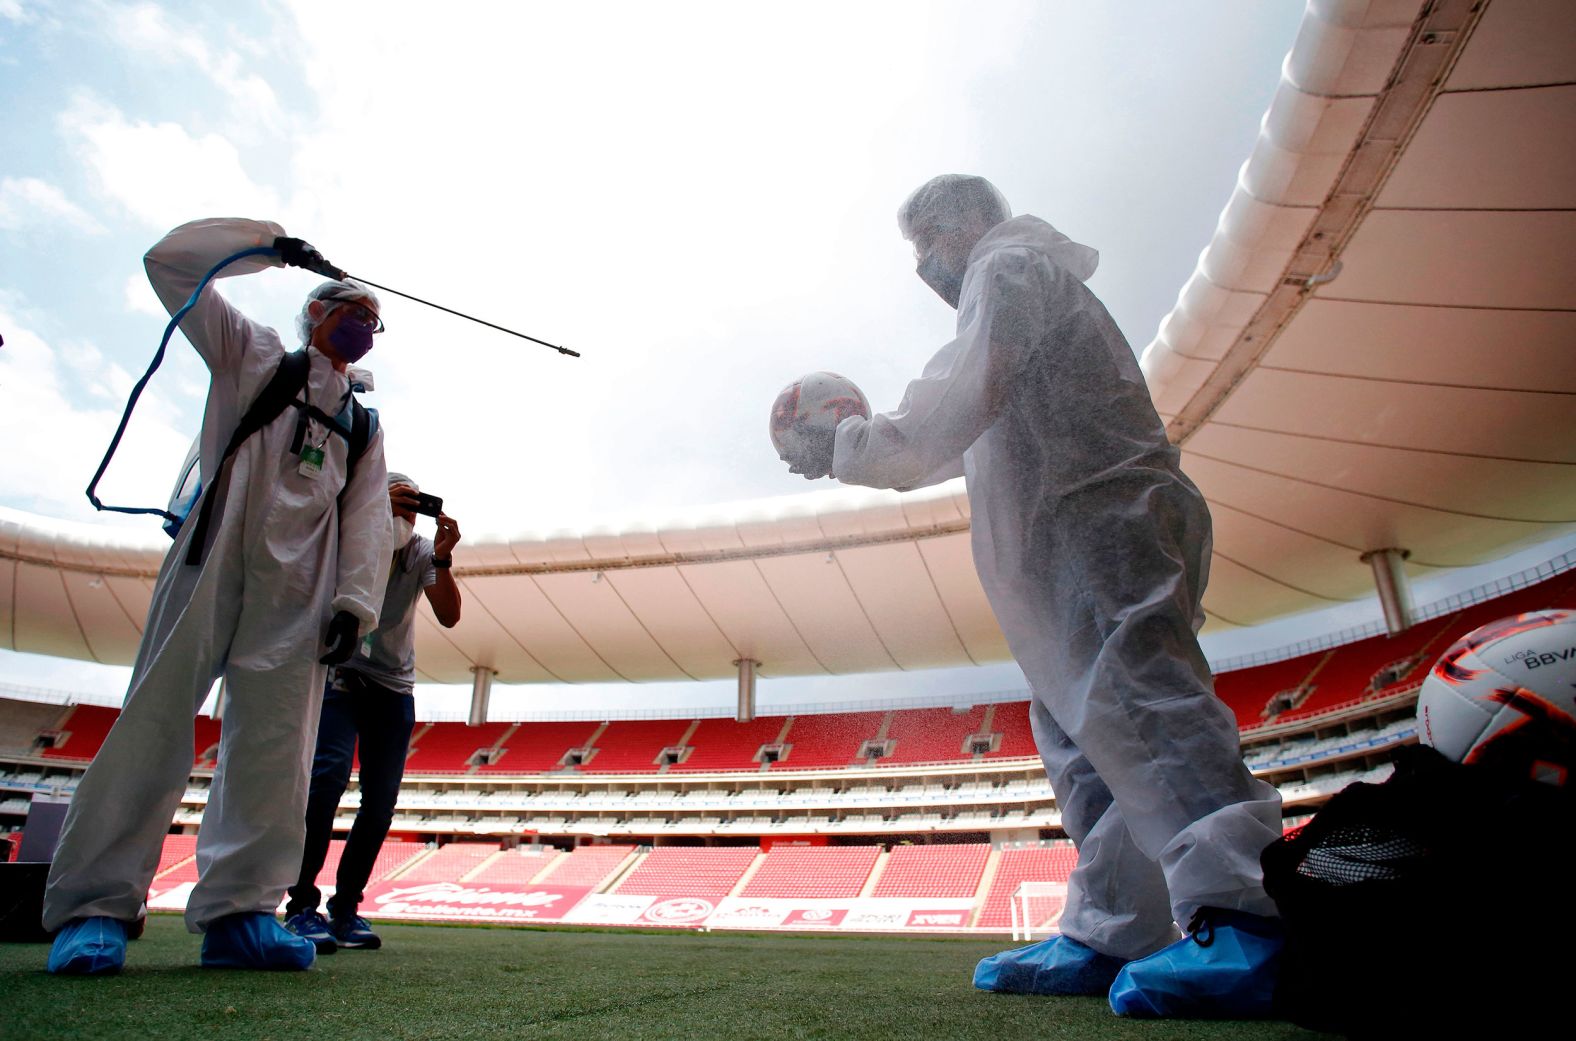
(295, 253)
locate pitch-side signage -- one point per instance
(474, 901)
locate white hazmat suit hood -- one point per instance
(1093, 548)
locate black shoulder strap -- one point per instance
(363, 424)
(276, 396)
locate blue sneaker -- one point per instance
(309, 925)
(254, 940)
(89, 947)
(355, 932)
(1225, 968)
(1060, 965)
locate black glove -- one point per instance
(298, 253)
(343, 630)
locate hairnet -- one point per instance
(947, 200)
(399, 478)
(332, 293)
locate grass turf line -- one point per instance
(440, 982)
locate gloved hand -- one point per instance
(814, 459)
(299, 253)
(343, 630)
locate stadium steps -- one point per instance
(987, 879)
(623, 871)
(548, 868)
(590, 742)
(987, 726)
(421, 731)
(478, 868)
(496, 751)
(749, 873)
(876, 871)
(781, 739)
(684, 740)
(410, 865)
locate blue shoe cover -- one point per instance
(89, 947)
(1226, 969)
(1060, 965)
(254, 940)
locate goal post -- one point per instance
(1037, 909)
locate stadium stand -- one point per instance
(722, 744)
(449, 863)
(178, 851)
(1011, 720)
(517, 865)
(944, 870)
(633, 745)
(539, 747)
(1246, 691)
(390, 858)
(689, 871)
(82, 732)
(447, 748)
(21, 722)
(205, 739)
(813, 871)
(928, 735)
(829, 740)
(588, 865)
(177, 860)
(1051, 862)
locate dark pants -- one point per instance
(353, 707)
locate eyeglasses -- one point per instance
(363, 315)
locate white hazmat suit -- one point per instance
(286, 552)
(1094, 549)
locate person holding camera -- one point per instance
(371, 698)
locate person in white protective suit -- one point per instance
(1094, 549)
(293, 551)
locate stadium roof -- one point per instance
(1374, 351)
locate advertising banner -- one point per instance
(685, 912)
(458, 901)
(609, 909)
(164, 896)
(851, 914)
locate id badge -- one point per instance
(311, 462)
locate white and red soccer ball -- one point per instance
(1505, 696)
(808, 410)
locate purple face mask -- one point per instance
(351, 339)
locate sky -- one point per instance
(699, 198)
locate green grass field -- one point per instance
(474, 982)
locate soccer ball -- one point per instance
(1505, 696)
(808, 410)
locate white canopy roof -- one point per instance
(1376, 350)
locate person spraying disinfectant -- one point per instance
(1093, 548)
(280, 574)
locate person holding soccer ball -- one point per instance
(1094, 550)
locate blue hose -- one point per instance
(136, 391)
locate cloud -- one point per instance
(147, 30)
(162, 174)
(141, 299)
(62, 403)
(22, 13)
(27, 202)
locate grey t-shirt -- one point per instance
(388, 655)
